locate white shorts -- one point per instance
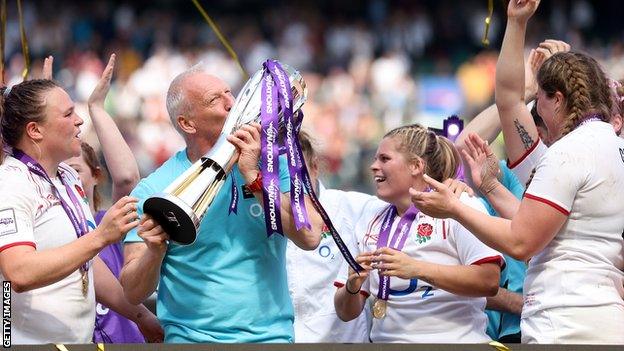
(575, 325)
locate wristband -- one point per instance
(351, 292)
(256, 185)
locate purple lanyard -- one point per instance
(79, 221)
(399, 237)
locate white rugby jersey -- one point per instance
(581, 176)
(30, 214)
(418, 312)
(311, 275)
(525, 165)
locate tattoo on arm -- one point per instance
(527, 141)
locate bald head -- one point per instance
(176, 95)
(198, 104)
(191, 87)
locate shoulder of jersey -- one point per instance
(69, 171)
(472, 201)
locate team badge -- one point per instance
(325, 232)
(424, 232)
(81, 193)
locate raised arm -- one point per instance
(120, 160)
(518, 128)
(487, 124)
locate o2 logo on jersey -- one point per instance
(427, 291)
(326, 252)
(256, 210)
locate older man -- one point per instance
(230, 285)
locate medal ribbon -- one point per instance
(399, 237)
(78, 219)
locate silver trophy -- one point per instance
(180, 208)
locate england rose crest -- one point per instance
(424, 232)
(325, 232)
(80, 191)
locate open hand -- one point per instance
(100, 91)
(483, 164)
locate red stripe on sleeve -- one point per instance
(18, 243)
(548, 202)
(511, 165)
(492, 259)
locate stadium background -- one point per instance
(369, 65)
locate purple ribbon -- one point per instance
(300, 178)
(270, 156)
(234, 198)
(78, 220)
(294, 157)
(399, 237)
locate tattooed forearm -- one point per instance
(527, 141)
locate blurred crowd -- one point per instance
(369, 65)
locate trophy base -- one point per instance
(176, 217)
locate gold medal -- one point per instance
(379, 308)
(85, 282)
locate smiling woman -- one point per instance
(431, 275)
(47, 251)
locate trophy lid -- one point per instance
(246, 108)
